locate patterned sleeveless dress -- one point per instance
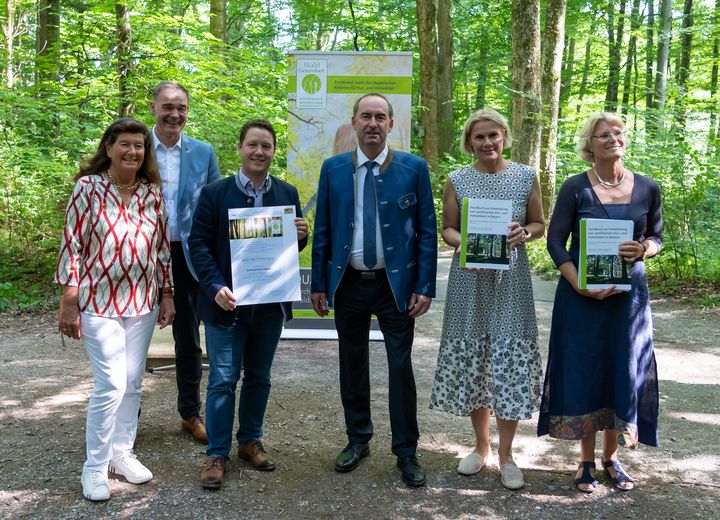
(489, 355)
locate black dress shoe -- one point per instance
(350, 457)
(412, 473)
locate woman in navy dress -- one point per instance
(601, 373)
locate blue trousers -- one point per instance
(249, 343)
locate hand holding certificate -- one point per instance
(264, 250)
(483, 232)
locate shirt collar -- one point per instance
(244, 180)
(157, 142)
(379, 160)
(242, 184)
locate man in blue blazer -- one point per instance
(375, 252)
(186, 165)
(238, 335)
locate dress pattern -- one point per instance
(489, 355)
(117, 255)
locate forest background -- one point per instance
(71, 67)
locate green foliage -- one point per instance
(56, 110)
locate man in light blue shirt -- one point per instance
(186, 165)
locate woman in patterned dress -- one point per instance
(489, 358)
(114, 267)
(601, 373)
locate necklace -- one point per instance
(606, 184)
(121, 186)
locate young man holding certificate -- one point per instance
(238, 334)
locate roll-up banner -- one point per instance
(322, 89)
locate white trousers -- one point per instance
(117, 349)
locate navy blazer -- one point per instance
(210, 242)
(198, 167)
(407, 224)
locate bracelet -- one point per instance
(168, 291)
(644, 249)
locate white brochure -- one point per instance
(483, 234)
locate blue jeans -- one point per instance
(250, 343)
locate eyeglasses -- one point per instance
(615, 134)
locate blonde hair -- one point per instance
(585, 134)
(485, 114)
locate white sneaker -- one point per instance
(511, 476)
(129, 467)
(95, 484)
(471, 464)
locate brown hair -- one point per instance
(100, 162)
(262, 125)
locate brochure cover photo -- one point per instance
(600, 266)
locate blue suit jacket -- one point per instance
(407, 225)
(210, 242)
(198, 168)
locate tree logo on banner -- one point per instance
(311, 83)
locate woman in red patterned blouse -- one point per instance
(114, 267)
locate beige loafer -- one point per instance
(511, 476)
(471, 464)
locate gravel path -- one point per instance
(44, 390)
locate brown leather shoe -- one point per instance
(255, 454)
(211, 476)
(196, 426)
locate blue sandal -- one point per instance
(620, 476)
(586, 477)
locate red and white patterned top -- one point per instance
(118, 255)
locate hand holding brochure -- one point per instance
(264, 255)
(600, 265)
(483, 234)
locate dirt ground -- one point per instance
(43, 397)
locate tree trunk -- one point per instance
(615, 40)
(552, 51)
(631, 55)
(649, 58)
(586, 66)
(446, 120)
(9, 35)
(320, 36)
(714, 101)
(47, 34)
(481, 84)
(526, 105)
(218, 19)
(427, 39)
(566, 76)
(123, 58)
(684, 71)
(662, 53)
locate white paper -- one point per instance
(264, 255)
(484, 234)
